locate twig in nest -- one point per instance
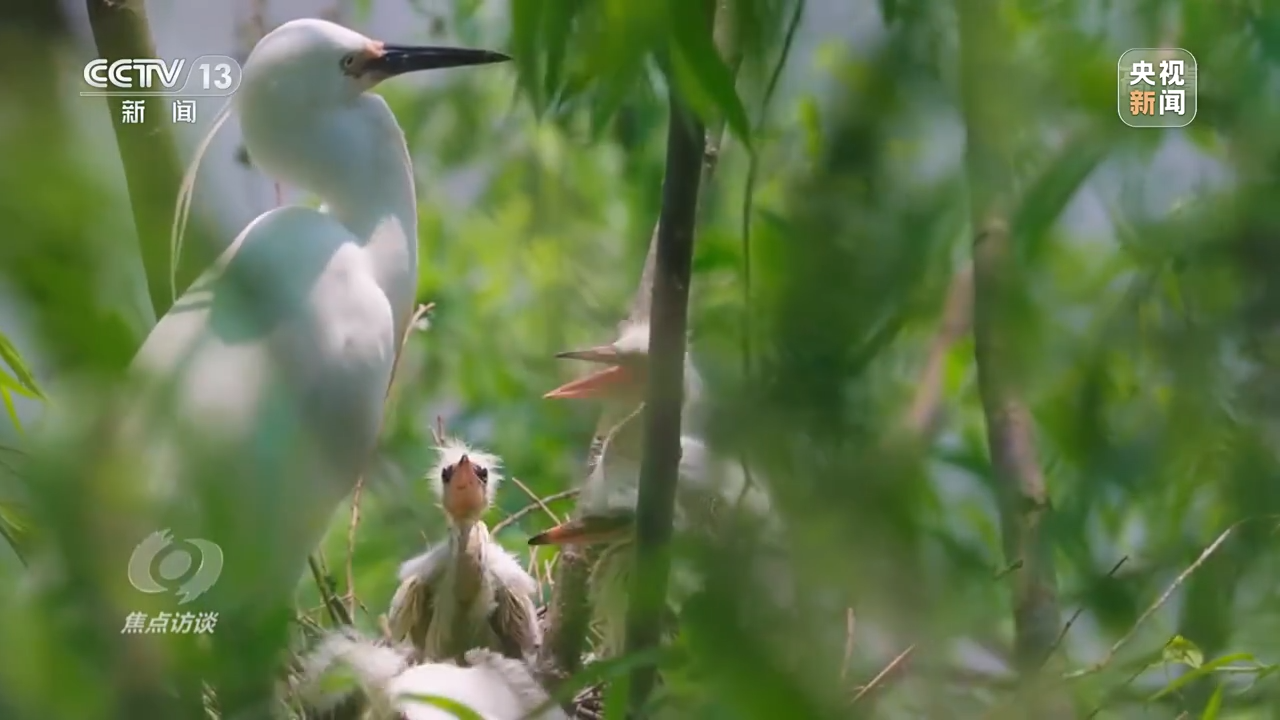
(418, 312)
(883, 674)
(437, 432)
(1160, 601)
(1075, 615)
(309, 625)
(850, 622)
(337, 611)
(533, 568)
(539, 505)
(351, 546)
(537, 500)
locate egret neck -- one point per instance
(469, 558)
(373, 195)
(378, 203)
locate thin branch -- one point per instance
(1066, 627)
(727, 44)
(351, 546)
(1023, 499)
(337, 611)
(748, 193)
(350, 608)
(568, 613)
(880, 677)
(957, 316)
(540, 504)
(536, 500)
(748, 203)
(1160, 601)
(420, 312)
(850, 624)
(437, 432)
(655, 504)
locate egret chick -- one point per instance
(607, 502)
(468, 591)
(393, 687)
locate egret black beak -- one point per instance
(596, 384)
(401, 59)
(587, 531)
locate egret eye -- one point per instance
(483, 474)
(348, 61)
(446, 474)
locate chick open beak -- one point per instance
(597, 384)
(464, 494)
(587, 531)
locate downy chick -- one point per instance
(468, 591)
(709, 488)
(389, 685)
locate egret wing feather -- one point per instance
(496, 688)
(271, 372)
(514, 619)
(414, 604)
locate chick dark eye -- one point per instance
(483, 474)
(348, 61)
(446, 474)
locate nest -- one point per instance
(589, 704)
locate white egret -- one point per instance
(393, 687)
(273, 368)
(468, 591)
(607, 502)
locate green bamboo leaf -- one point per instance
(8, 404)
(12, 384)
(1198, 671)
(14, 360)
(706, 69)
(888, 10)
(526, 22)
(460, 711)
(1050, 193)
(1212, 707)
(1182, 650)
(557, 21)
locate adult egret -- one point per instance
(393, 687)
(273, 368)
(607, 501)
(467, 592)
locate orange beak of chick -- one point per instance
(465, 497)
(598, 384)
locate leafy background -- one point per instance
(1143, 313)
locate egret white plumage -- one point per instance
(607, 500)
(396, 688)
(468, 591)
(275, 364)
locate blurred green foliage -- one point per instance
(1150, 329)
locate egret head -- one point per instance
(310, 64)
(466, 480)
(305, 114)
(625, 375)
